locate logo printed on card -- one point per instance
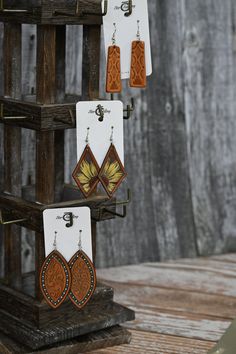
(124, 6)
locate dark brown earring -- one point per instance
(83, 277)
(55, 278)
(86, 171)
(138, 76)
(112, 172)
(113, 76)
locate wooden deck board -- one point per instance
(182, 307)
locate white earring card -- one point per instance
(126, 31)
(99, 133)
(67, 237)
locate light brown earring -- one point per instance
(138, 62)
(113, 75)
(55, 277)
(83, 276)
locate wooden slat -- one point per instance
(42, 12)
(143, 342)
(90, 81)
(12, 151)
(175, 300)
(91, 62)
(174, 277)
(179, 324)
(60, 96)
(45, 83)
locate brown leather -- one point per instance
(112, 172)
(113, 80)
(55, 279)
(83, 279)
(138, 65)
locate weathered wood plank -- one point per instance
(174, 277)
(143, 342)
(175, 300)
(209, 62)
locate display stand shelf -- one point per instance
(24, 316)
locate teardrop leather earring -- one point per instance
(86, 171)
(112, 172)
(138, 76)
(83, 277)
(55, 278)
(113, 79)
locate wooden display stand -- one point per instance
(24, 316)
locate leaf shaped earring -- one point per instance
(138, 76)
(86, 171)
(112, 172)
(83, 277)
(113, 79)
(55, 278)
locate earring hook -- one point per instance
(138, 31)
(114, 35)
(80, 241)
(55, 241)
(112, 133)
(87, 136)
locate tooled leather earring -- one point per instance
(86, 171)
(138, 76)
(83, 277)
(112, 172)
(55, 277)
(113, 75)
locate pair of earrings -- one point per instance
(75, 279)
(137, 69)
(87, 173)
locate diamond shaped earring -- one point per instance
(86, 171)
(112, 172)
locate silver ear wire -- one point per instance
(138, 31)
(87, 136)
(55, 241)
(113, 39)
(112, 134)
(80, 240)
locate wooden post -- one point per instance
(12, 151)
(60, 97)
(45, 83)
(90, 81)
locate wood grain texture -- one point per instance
(12, 47)
(180, 150)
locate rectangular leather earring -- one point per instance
(138, 63)
(113, 76)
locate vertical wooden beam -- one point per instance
(91, 62)
(90, 80)
(60, 97)
(45, 84)
(12, 151)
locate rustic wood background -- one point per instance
(180, 144)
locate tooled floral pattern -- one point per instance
(81, 279)
(55, 279)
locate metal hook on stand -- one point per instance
(3, 222)
(123, 203)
